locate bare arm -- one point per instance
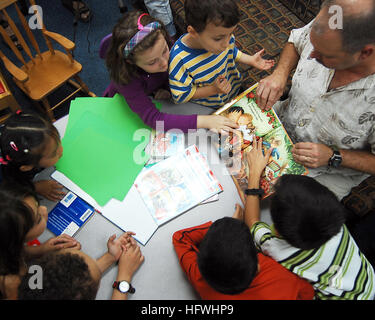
(252, 204)
(204, 92)
(130, 260)
(271, 88)
(358, 160)
(316, 155)
(257, 162)
(256, 60)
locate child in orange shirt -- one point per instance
(227, 265)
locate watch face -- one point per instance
(123, 286)
(336, 160)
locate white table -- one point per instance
(160, 276)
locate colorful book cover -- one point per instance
(162, 145)
(177, 184)
(255, 123)
(69, 215)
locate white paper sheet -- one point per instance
(120, 213)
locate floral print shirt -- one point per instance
(344, 116)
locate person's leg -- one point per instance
(79, 8)
(338, 184)
(161, 10)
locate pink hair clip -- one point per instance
(2, 161)
(140, 26)
(13, 145)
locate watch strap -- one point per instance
(116, 284)
(336, 157)
(254, 192)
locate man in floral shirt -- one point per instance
(330, 110)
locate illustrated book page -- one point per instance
(175, 185)
(255, 123)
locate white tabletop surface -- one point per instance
(160, 276)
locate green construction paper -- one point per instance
(118, 155)
(103, 174)
(114, 110)
(99, 145)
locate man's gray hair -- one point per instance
(357, 30)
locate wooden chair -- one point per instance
(8, 104)
(46, 71)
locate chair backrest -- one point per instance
(104, 46)
(6, 3)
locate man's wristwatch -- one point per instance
(336, 159)
(123, 286)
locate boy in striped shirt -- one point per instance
(202, 66)
(308, 235)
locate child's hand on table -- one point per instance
(49, 189)
(115, 246)
(63, 241)
(130, 260)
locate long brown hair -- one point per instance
(121, 69)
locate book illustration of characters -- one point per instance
(168, 196)
(165, 144)
(151, 183)
(256, 123)
(244, 134)
(171, 201)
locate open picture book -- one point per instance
(255, 123)
(177, 184)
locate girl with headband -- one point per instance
(137, 61)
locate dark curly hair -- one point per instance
(66, 276)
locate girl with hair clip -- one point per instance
(28, 144)
(137, 61)
(22, 220)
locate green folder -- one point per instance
(101, 154)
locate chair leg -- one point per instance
(48, 109)
(85, 88)
(13, 105)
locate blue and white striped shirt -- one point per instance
(192, 68)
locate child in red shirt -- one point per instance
(227, 266)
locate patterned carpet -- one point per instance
(263, 24)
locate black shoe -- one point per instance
(80, 10)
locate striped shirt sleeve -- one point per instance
(180, 81)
